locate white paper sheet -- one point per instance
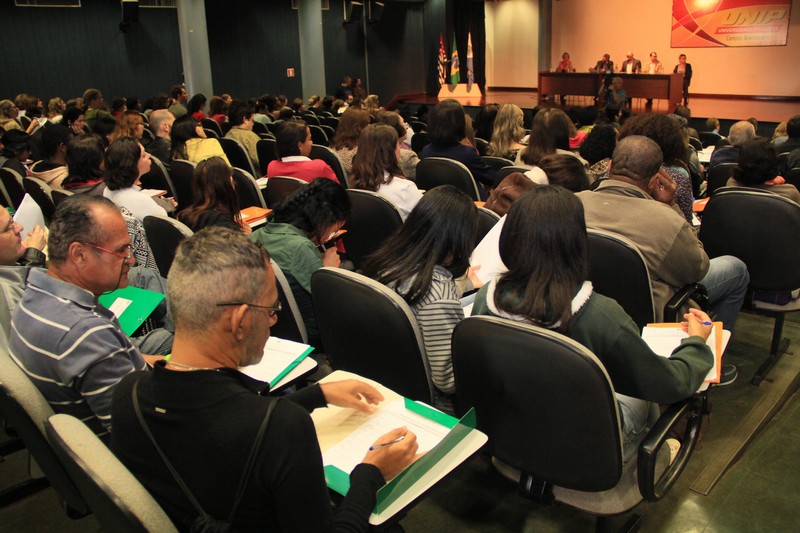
(351, 451)
(29, 215)
(487, 254)
(119, 306)
(278, 354)
(663, 342)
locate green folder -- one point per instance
(143, 302)
(274, 381)
(339, 481)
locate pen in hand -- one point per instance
(395, 441)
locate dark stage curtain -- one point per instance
(469, 16)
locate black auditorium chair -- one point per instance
(558, 446)
(763, 230)
(318, 135)
(718, 176)
(211, 124)
(486, 221)
(247, 189)
(158, 178)
(237, 155)
(329, 156)
(182, 174)
(41, 194)
(419, 141)
(368, 329)
(266, 154)
(435, 171)
(496, 163)
(290, 326)
(372, 220)
(14, 192)
(482, 145)
(164, 235)
(279, 187)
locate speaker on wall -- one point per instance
(353, 10)
(130, 13)
(374, 10)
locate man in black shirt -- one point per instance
(205, 414)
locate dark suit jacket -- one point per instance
(637, 66)
(686, 77)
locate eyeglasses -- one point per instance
(11, 225)
(122, 255)
(271, 310)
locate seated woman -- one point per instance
(508, 132)
(84, 165)
(126, 162)
(16, 151)
(544, 245)
(408, 159)
(345, 140)
(550, 133)
(130, 124)
(196, 106)
(420, 262)
(295, 238)
(215, 200)
(189, 141)
(758, 169)
(376, 168)
(218, 109)
(446, 129)
(293, 144)
(597, 150)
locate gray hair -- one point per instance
(741, 132)
(74, 221)
(212, 266)
(636, 157)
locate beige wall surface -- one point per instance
(589, 28)
(512, 43)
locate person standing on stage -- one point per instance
(686, 69)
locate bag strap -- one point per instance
(248, 464)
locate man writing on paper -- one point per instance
(205, 414)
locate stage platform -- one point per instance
(724, 107)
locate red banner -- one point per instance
(717, 23)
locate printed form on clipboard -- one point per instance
(663, 338)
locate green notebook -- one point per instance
(132, 306)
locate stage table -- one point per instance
(651, 86)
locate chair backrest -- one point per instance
(718, 176)
(418, 126)
(368, 329)
(310, 118)
(147, 135)
(496, 163)
(59, 195)
(372, 220)
(24, 408)
(318, 135)
(211, 124)
(329, 131)
(260, 129)
(482, 145)
(211, 134)
(792, 177)
(486, 221)
(12, 183)
(435, 171)
(158, 178)
(290, 325)
(419, 141)
(333, 122)
(115, 496)
(697, 144)
(237, 155)
(279, 187)
(164, 235)
(760, 228)
(40, 192)
(332, 158)
(708, 138)
(618, 270)
(266, 153)
(247, 189)
(182, 174)
(505, 171)
(523, 382)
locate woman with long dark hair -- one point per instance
(420, 262)
(544, 246)
(189, 141)
(345, 140)
(215, 201)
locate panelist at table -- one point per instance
(631, 65)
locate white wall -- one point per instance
(512, 43)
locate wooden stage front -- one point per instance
(723, 107)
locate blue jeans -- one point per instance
(637, 417)
(726, 282)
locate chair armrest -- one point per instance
(651, 489)
(692, 291)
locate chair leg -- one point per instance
(603, 524)
(777, 347)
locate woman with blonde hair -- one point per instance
(55, 109)
(508, 131)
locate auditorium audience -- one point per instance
(218, 109)
(293, 146)
(107, 128)
(215, 201)
(758, 168)
(74, 119)
(666, 132)
(793, 136)
(779, 135)
(125, 162)
(55, 110)
(507, 133)
(53, 168)
(446, 131)
(118, 107)
(8, 117)
(240, 115)
(376, 168)
(358, 91)
(296, 238)
(544, 245)
(189, 141)
(178, 97)
(345, 140)
(16, 149)
(740, 133)
(408, 158)
(712, 127)
(131, 124)
(223, 294)
(420, 261)
(550, 133)
(484, 122)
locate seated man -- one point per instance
(53, 168)
(615, 96)
(740, 133)
(240, 116)
(71, 347)
(638, 202)
(224, 300)
(293, 143)
(161, 123)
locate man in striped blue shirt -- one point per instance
(71, 347)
